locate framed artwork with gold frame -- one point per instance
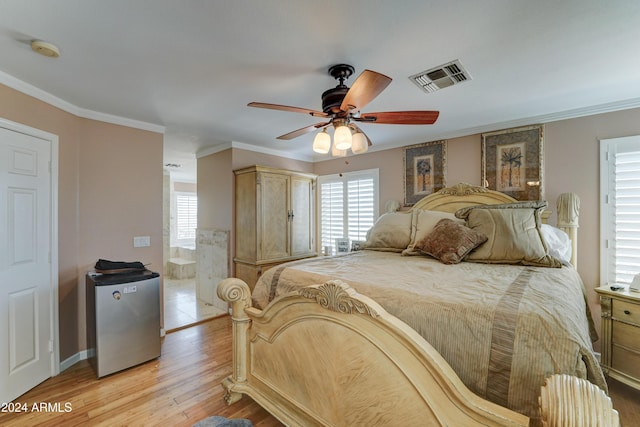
(512, 162)
(425, 168)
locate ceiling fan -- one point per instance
(342, 107)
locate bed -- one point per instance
(455, 313)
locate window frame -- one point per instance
(345, 177)
(178, 240)
(608, 147)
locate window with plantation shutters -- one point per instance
(186, 216)
(348, 206)
(620, 209)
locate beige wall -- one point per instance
(245, 158)
(389, 162)
(573, 164)
(462, 166)
(120, 197)
(215, 191)
(186, 187)
(109, 190)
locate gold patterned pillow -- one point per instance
(514, 234)
(391, 232)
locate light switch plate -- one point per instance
(141, 241)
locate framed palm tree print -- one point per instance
(512, 162)
(424, 170)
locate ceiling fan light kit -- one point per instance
(337, 153)
(322, 142)
(342, 106)
(359, 143)
(342, 137)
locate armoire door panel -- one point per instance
(275, 220)
(302, 219)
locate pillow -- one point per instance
(450, 241)
(558, 243)
(513, 232)
(391, 232)
(422, 224)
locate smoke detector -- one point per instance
(440, 77)
(44, 48)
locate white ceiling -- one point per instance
(191, 66)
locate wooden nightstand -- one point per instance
(621, 334)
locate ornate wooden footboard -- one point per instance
(329, 356)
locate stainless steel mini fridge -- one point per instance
(123, 320)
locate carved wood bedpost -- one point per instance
(568, 205)
(568, 401)
(236, 292)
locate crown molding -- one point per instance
(28, 89)
(213, 149)
(207, 151)
(527, 121)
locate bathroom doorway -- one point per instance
(182, 308)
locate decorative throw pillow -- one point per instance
(422, 224)
(450, 241)
(513, 231)
(391, 232)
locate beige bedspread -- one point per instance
(502, 328)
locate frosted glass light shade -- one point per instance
(335, 152)
(342, 138)
(322, 142)
(359, 143)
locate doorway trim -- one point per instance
(53, 248)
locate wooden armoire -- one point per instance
(275, 219)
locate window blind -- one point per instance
(348, 206)
(186, 216)
(621, 213)
(332, 215)
(360, 200)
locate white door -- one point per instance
(27, 288)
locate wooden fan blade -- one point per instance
(302, 131)
(313, 113)
(400, 117)
(357, 129)
(365, 88)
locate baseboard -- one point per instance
(70, 361)
(86, 354)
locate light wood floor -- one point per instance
(178, 389)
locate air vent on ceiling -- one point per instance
(440, 77)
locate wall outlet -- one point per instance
(141, 241)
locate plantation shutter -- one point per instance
(332, 213)
(621, 216)
(186, 216)
(348, 206)
(360, 207)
